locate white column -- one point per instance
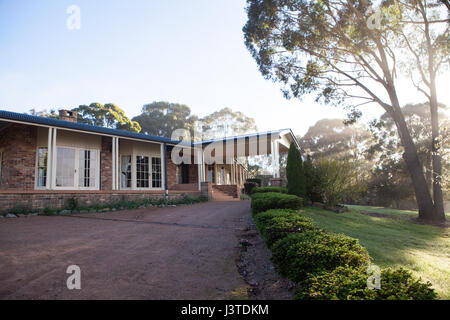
(48, 180)
(275, 159)
(54, 152)
(117, 164)
(113, 156)
(163, 167)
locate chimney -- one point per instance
(68, 115)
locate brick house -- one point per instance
(44, 162)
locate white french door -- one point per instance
(76, 168)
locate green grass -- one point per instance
(394, 212)
(423, 249)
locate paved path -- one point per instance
(185, 252)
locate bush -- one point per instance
(276, 224)
(300, 254)
(258, 181)
(249, 186)
(273, 200)
(269, 189)
(346, 283)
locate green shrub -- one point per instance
(300, 254)
(347, 283)
(258, 181)
(276, 224)
(269, 189)
(273, 200)
(249, 186)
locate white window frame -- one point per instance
(36, 175)
(77, 168)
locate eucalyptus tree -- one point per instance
(350, 54)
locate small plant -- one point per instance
(249, 186)
(269, 189)
(273, 200)
(347, 283)
(276, 224)
(299, 255)
(72, 204)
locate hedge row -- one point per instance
(269, 189)
(273, 200)
(324, 265)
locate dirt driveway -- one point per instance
(185, 252)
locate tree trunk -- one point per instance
(439, 214)
(423, 197)
(429, 171)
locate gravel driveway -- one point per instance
(185, 252)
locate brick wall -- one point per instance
(18, 143)
(59, 199)
(106, 163)
(172, 172)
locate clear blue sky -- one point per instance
(135, 52)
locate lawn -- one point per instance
(423, 249)
(383, 210)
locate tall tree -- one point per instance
(226, 122)
(349, 54)
(108, 115)
(161, 118)
(296, 181)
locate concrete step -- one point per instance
(221, 196)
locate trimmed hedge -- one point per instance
(249, 186)
(346, 283)
(273, 200)
(276, 224)
(301, 254)
(269, 189)
(258, 181)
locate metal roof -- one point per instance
(8, 115)
(22, 117)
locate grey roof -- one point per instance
(22, 117)
(80, 126)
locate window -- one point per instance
(65, 167)
(76, 168)
(1, 164)
(156, 173)
(87, 161)
(125, 172)
(42, 167)
(142, 172)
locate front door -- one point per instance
(183, 173)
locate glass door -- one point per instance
(65, 167)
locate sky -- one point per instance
(135, 52)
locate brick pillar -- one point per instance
(206, 189)
(106, 163)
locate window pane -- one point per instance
(125, 169)
(65, 167)
(156, 173)
(142, 172)
(86, 168)
(42, 167)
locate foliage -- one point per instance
(296, 182)
(299, 255)
(395, 240)
(334, 48)
(269, 189)
(347, 283)
(108, 115)
(273, 200)
(255, 180)
(225, 123)
(249, 186)
(162, 118)
(276, 224)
